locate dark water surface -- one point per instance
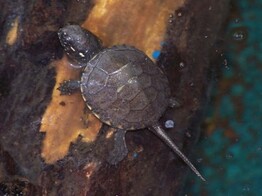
(231, 145)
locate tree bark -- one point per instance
(51, 144)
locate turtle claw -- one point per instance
(69, 87)
(120, 149)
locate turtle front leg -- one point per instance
(120, 149)
(69, 87)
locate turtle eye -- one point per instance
(70, 37)
(66, 41)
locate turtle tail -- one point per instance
(157, 130)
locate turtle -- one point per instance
(121, 85)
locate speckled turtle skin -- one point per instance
(80, 45)
(124, 88)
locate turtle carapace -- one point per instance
(121, 86)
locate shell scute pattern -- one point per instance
(160, 83)
(107, 98)
(109, 62)
(149, 70)
(135, 116)
(120, 108)
(158, 103)
(130, 90)
(151, 93)
(145, 80)
(151, 112)
(122, 85)
(136, 69)
(97, 80)
(119, 77)
(140, 101)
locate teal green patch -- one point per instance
(237, 90)
(227, 107)
(232, 154)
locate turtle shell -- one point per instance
(124, 88)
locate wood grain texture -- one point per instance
(66, 117)
(142, 24)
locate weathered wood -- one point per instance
(50, 144)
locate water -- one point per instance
(230, 147)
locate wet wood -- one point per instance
(51, 144)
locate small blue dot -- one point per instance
(135, 155)
(156, 54)
(169, 124)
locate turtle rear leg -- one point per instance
(120, 149)
(69, 87)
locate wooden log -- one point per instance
(51, 144)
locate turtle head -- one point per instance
(79, 44)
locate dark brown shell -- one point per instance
(124, 88)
